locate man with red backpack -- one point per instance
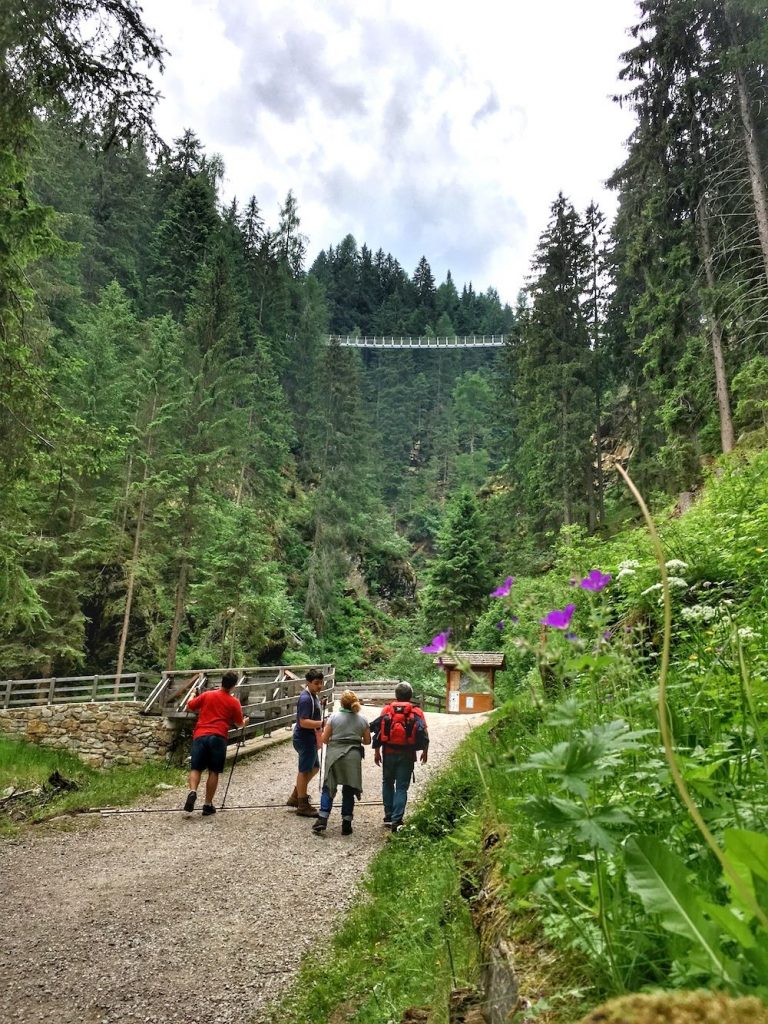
(399, 732)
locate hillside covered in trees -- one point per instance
(192, 475)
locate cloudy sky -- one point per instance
(430, 128)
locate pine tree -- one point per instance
(187, 230)
(458, 582)
(554, 390)
(290, 244)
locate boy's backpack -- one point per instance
(401, 725)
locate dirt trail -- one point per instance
(164, 917)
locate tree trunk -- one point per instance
(129, 592)
(126, 499)
(178, 613)
(183, 579)
(567, 510)
(599, 454)
(136, 546)
(233, 632)
(727, 437)
(241, 482)
(756, 175)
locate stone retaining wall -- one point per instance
(101, 734)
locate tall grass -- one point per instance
(25, 766)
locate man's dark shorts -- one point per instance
(208, 752)
(306, 748)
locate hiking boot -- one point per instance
(320, 826)
(305, 808)
(293, 799)
(208, 809)
(189, 803)
(387, 820)
(346, 827)
(396, 824)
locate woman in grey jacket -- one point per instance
(345, 733)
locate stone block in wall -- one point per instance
(36, 730)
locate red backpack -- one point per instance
(402, 725)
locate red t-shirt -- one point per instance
(218, 712)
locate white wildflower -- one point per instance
(675, 563)
(746, 633)
(625, 572)
(650, 590)
(630, 563)
(698, 613)
(674, 581)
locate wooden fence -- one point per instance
(22, 693)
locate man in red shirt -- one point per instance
(218, 712)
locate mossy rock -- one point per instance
(679, 1008)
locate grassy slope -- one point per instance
(26, 766)
(393, 951)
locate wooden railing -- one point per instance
(21, 693)
(268, 694)
(382, 691)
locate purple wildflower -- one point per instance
(437, 644)
(513, 618)
(571, 636)
(500, 624)
(607, 634)
(595, 580)
(504, 589)
(559, 619)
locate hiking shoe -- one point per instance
(189, 803)
(320, 826)
(293, 799)
(208, 809)
(387, 820)
(346, 828)
(396, 824)
(305, 808)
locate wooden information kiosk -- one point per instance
(469, 679)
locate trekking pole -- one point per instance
(240, 740)
(322, 751)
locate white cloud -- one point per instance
(440, 129)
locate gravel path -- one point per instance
(168, 917)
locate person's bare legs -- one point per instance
(211, 784)
(194, 780)
(303, 780)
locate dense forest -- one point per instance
(192, 475)
(195, 472)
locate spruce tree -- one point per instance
(458, 582)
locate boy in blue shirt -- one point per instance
(306, 732)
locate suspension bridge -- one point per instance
(388, 341)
